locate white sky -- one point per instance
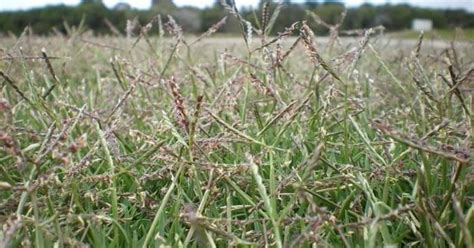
(143, 4)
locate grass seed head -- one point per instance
(180, 108)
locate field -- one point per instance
(444, 34)
(288, 141)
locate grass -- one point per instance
(443, 34)
(153, 141)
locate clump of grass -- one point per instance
(120, 142)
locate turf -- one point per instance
(444, 34)
(157, 141)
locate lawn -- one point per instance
(175, 141)
(443, 34)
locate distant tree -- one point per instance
(311, 3)
(218, 3)
(121, 6)
(91, 1)
(338, 2)
(163, 6)
(211, 15)
(398, 17)
(189, 19)
(394, 17)
(364, 17)
(161, 2)
(93, 14)
(330, 12)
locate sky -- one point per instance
(144, 4)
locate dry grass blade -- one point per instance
(121, 101)
(333, 29)
(360, 50)
(455, 88)
(67, 127)
(84, 163)
(214, 28)
(277, 117)
(468, 76)
(318, 19)
(174, 29)
(366, 140)
(239, 133)
(313, 161)
(386, 68)
(288, 32)
(112, 27)
(291, 49)
(436, 129)
(275, 15)
(419, 75)
(462, 223)
(242, 22)
(463, 156)
(144, 32)
(261, 86)
(118, 75)
(242, 61)
(14, 86)
(396, 213)
(307, 36)
(51, 71)
(418, 45)
(201, 225)
(422, 82)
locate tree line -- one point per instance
(94, 15)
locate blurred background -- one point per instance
(47, 17)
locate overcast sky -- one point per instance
(143, 4)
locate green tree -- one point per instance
(163, 6)
(311, 4)
(91, 2)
